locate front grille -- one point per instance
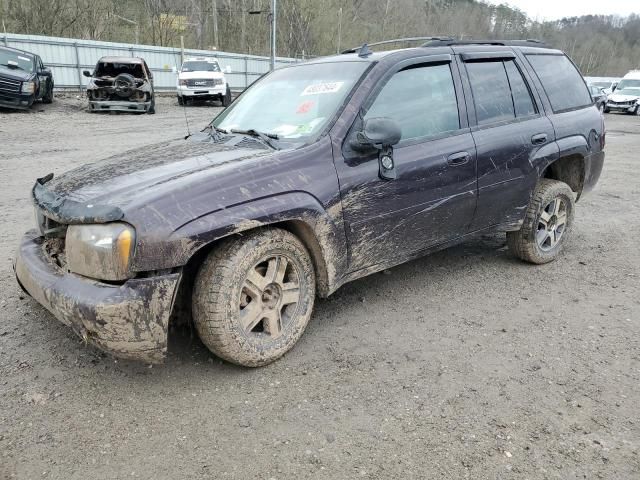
(204, 82)
(9, 85)
(620, 104)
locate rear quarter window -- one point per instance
(562, 82)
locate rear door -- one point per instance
(433, 197)
(508, 129)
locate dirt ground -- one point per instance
(467, 364)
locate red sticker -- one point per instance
(304, 107)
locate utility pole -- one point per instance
(339, 29)
(214, 13)
(273, 33)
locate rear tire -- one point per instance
(547, 223)
(253, 297)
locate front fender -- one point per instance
(188, 239)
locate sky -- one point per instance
(554, 9)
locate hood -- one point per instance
(15, 74)
(95, 191)
(189, 75)
(616, 97)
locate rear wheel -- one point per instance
(253, 297)
(546, 225)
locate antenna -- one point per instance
(184, 107)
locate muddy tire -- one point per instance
(253, 297)
(546, 225)
(180, 101)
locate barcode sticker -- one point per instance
(319, 88)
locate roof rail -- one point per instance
(395, 40)
(509, 43)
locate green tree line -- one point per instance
(600, 45)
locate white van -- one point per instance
(201, 78)
(626, 97)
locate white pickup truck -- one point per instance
(201, 78)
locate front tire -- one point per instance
(48, 98)
(253, 297)
(546, 225)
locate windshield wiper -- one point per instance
(264, 136)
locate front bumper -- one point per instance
(129, 321)
(118, 106)
(622, 108)
(217, 91)
(16, 100)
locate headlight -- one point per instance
(28, 87)
(100, 251)
(182, 82)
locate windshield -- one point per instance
(628, 87)
(115, 69)
(295, 102)
(17, 59)
(200, 66)
(601, 84)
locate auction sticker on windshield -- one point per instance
(331, 87)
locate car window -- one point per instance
(491, 92)
(422, 99)
(522, 101)
(562, 82)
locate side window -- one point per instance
(422, 99)
(522, 101)
(491, 92)
(562, 82)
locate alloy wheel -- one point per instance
(552, 224)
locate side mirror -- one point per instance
(86, 73)
(382, 134)
(45, 72)
(227, 69)
(379, 132)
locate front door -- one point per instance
(433, 197)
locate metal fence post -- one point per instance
(75, 46)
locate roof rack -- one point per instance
(509, 43)
(364, 48)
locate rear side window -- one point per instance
(491, 92)
(522, 101)
(421, 99)
(562, 82)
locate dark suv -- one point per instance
(23, 79)
(319, 174)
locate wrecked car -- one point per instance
(121, 84)
(319, 174)
(23, 79)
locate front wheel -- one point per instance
(253, 297)
(48, 97)
(546, 224)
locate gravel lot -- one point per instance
(465, 364)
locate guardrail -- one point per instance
(68, 57)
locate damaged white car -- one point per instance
(122, 84)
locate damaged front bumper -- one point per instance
(118, 106)
(129, 320)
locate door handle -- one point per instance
(460, 158)
(539, 139)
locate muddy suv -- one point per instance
(121, 84)
(318, 174)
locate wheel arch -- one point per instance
(569, 169)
